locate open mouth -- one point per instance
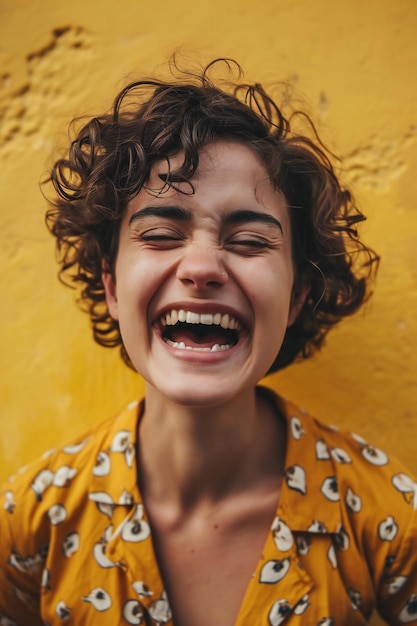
(204, 332)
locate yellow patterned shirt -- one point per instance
(76, 545)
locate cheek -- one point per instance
(276, 306)
(140, 278)
(274, 288)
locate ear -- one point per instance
(109, 283)
(299, 294)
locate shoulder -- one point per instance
(44, 505)
(343, 478)
(353, 460)
(372, 487)
(42, 493)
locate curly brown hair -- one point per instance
(110, 159)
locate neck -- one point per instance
(193, 457)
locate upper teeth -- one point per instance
(224, 320)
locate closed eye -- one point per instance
(148, 237)
(160, 238)
(249, 245)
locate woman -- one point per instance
(214, 246)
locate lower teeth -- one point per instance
(181, 345)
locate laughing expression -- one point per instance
(202, 287)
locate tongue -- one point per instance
(194, 339)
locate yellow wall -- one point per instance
(355, 64)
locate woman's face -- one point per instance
(203, 281)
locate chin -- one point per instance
(203, 393)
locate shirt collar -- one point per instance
(114, 471)
(309, 501)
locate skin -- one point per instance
(211, 450)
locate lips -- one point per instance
(205, 332)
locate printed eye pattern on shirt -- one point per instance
(74, 532)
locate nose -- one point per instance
(202, 267)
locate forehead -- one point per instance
(229, 173)
(221, 161)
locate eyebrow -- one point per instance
(170, 212)
(182, 214)
(246, 215)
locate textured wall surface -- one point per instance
(353, 62)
